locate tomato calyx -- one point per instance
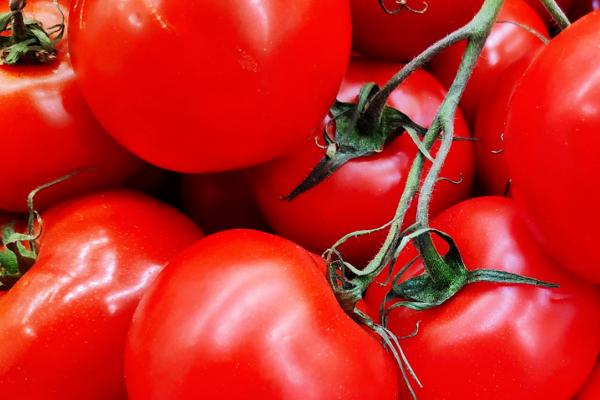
(357, 134)
(24, 40)
(402, 5)
(444, 277)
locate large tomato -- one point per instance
(63, 325)
(591, 390)
(205, 86)
(48, 130)
(364, 193)
(402, 36)
(553, 147)
(244, 314)
(495, 341)
(507, 44)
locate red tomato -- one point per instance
(553, 148)
(507, 44)
(364, 193)
(591, 390)
(48, 130)
(565, 5)
(494, 341)
(402, 36)
(210, 85)
(266, 326)
(492, 171)
(63, 325)
(217, 202)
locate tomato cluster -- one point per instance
(132, 129)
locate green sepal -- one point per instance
(356, 136)
(422, 292)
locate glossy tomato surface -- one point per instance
(402, 36)
(553, 149)
(494, 341)
(63, 325)
(210, 85)
(244, 314)
(364, 193)
(591, 390)
(507, 44)
(48, 130)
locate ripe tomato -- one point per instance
(48, 130)
(207, 86)
(491, 168)
(217, 202)
(63, 325)
(591, 390)
(363, 193)
(507, 44)
(553, 149)
(402, 36)
(266, 326)
(494, 341)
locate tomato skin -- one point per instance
(402, 36)
(506, 45)
(233, 317)
(522, 342)
(48, 130)
(217, 202)
(63, 325)
(591, 390)
(490, 124)
(233, 76)
(552, 147)
(363, 193)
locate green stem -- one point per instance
(557, 13)
(19, 31)
(476, 33)
(444, 122)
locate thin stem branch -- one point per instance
(557, 13)
(18, 25)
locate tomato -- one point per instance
(507, 44)
(492, 171)
(207, 86)
(402, 36)
(591, 390)
(244, 314)
(553, 150)
(218, 202)
(363, 194)
(494, 341)
(565, 5)
(48, 130)
(63, 325)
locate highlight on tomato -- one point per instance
(552, 147)
(207, 86)
(48, 130)
(63, 324)
(494, 340)
(245, 314)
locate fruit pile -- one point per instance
(318, 199)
